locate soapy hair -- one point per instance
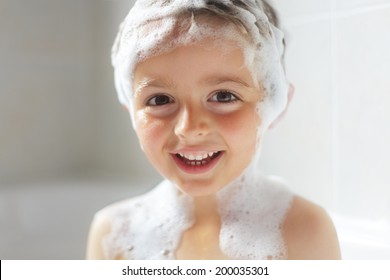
(154, 27)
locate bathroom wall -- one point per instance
(66, 149)
(59, 115)
(46, 116)
(333, 145)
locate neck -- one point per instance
(206, 210)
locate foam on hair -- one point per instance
(154, 27)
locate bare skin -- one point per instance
(202, 240)
(308, 234)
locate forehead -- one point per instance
(165, 34)
(198, 64)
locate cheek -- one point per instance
(150, 132)
(241, 126)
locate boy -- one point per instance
(203, 81)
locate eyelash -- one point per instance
(225, 92)
(153, 101)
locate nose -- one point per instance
(192, 122)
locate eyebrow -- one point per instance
(160, 82)
(226, 79)
(153, 82)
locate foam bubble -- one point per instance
(252, 213)
(149, 226)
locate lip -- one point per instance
(193, 167)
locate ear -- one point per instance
(290, 95)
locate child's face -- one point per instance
(195, 115)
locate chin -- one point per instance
(197, 189)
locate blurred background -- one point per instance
(67, 147)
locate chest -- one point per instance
(201, 242)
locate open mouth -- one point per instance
(199, 159)
(197, 163)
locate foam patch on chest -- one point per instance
(251, 218)
(151, 226)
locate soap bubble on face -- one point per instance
(156, 27)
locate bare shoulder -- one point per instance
(309, 232)
(100, 227)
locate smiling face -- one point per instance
(195, 115)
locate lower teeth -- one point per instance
(197, 163)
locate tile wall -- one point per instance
(333, 144)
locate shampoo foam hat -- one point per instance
(151, 28)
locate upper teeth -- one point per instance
(198, 156)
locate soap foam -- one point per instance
(149, 226)
(252, 213)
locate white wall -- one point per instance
(339, 63)
(66, 148)
(59, 115)
(45, 88)
(333, 145)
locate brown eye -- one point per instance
(159, 100)
(224, 97)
